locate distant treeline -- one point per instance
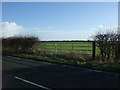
(69, 41)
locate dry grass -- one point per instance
(65, 55)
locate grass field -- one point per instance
(82, 47)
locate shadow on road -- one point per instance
(54, 76)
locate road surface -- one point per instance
(26, 73)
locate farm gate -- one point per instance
(84, 47)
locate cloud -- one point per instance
(10, 29)
(64, 34)
(101, 26)
(54, 34)
(51, 33)
(104, 28)
(47, 34)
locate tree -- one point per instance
(109, 45)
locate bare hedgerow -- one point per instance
(109, 45)
(18, 43)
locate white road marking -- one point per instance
(32, 83)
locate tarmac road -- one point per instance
(26, 73)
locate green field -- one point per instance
(82, 47)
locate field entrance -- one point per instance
(83, 47)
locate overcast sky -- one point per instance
(58, 20)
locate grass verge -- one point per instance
(102, 66)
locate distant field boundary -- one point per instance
(68, 41)
(79, 46)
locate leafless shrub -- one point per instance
(109, 45)
(18, 43)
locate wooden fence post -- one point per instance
(93, 49)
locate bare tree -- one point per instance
(109, 45)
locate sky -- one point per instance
(58, 20)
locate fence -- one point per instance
(84, 47)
